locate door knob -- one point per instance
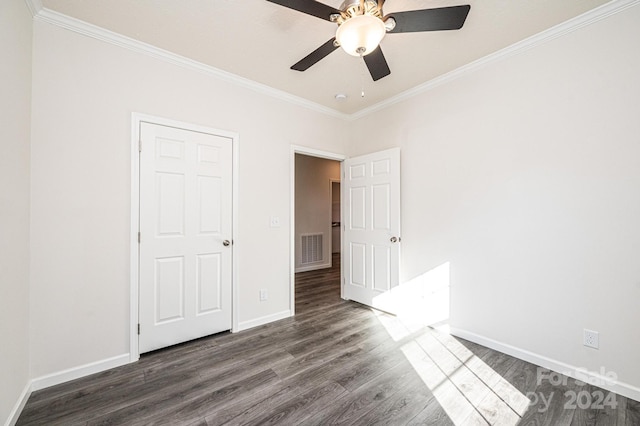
(226, 243)
(394, 239)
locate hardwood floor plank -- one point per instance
(199, 422)
(365, 398)
(371, 365)
(90, 384)
(245, 410)
(604, 408)
(335, 362)
(186, 406)
(632, 412)
(298, 409)
(408, 400)
(431, 415)
(549, 407)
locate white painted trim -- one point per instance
(256, 322)
(292, 230)
(134, 256)
(331, 182)
(134, 277)
(297, 149)
(312, 152)
(313, 267)
(90, 30)
(35, 6)
(63, 21)
(235, 310)
(20, 403)
(621, 388)
(587, 18)
(343, 215)
(78, 372)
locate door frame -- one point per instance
(331, 182)
(297, 149)
(134, 277)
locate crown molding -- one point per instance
(98, 33)
(35, 6)
(587, 18)
(55, 18)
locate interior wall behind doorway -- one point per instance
(313, 211)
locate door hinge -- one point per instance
(138, 237)
(140, 145)
(138, 329)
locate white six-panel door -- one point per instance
(185, 235)
(371, 212)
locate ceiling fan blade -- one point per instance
(377, 64)
(310, 7)
(315, 56)
(442, 18)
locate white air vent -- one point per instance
(311, 248)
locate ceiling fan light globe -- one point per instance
(360, 32)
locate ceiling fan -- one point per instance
(362, 26)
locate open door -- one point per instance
(371, 216)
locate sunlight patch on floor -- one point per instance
(468, 390)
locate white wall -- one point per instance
(84, 91)
(525, 176)
(313, 204)
(15, 107)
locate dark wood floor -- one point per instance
(335, 362)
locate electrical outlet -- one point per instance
(263, 295)
(274, 222)
(591, 339)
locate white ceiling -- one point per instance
(259, 40)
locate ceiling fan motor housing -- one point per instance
(352, 8)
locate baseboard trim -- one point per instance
(245, 325)
(20, 403)
(78, 372)
(621, 388)
(313, 268)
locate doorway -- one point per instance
(313, 177)
(370, 222)
(314, 216)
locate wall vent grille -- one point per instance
(312, 248)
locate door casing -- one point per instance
(134, 278)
